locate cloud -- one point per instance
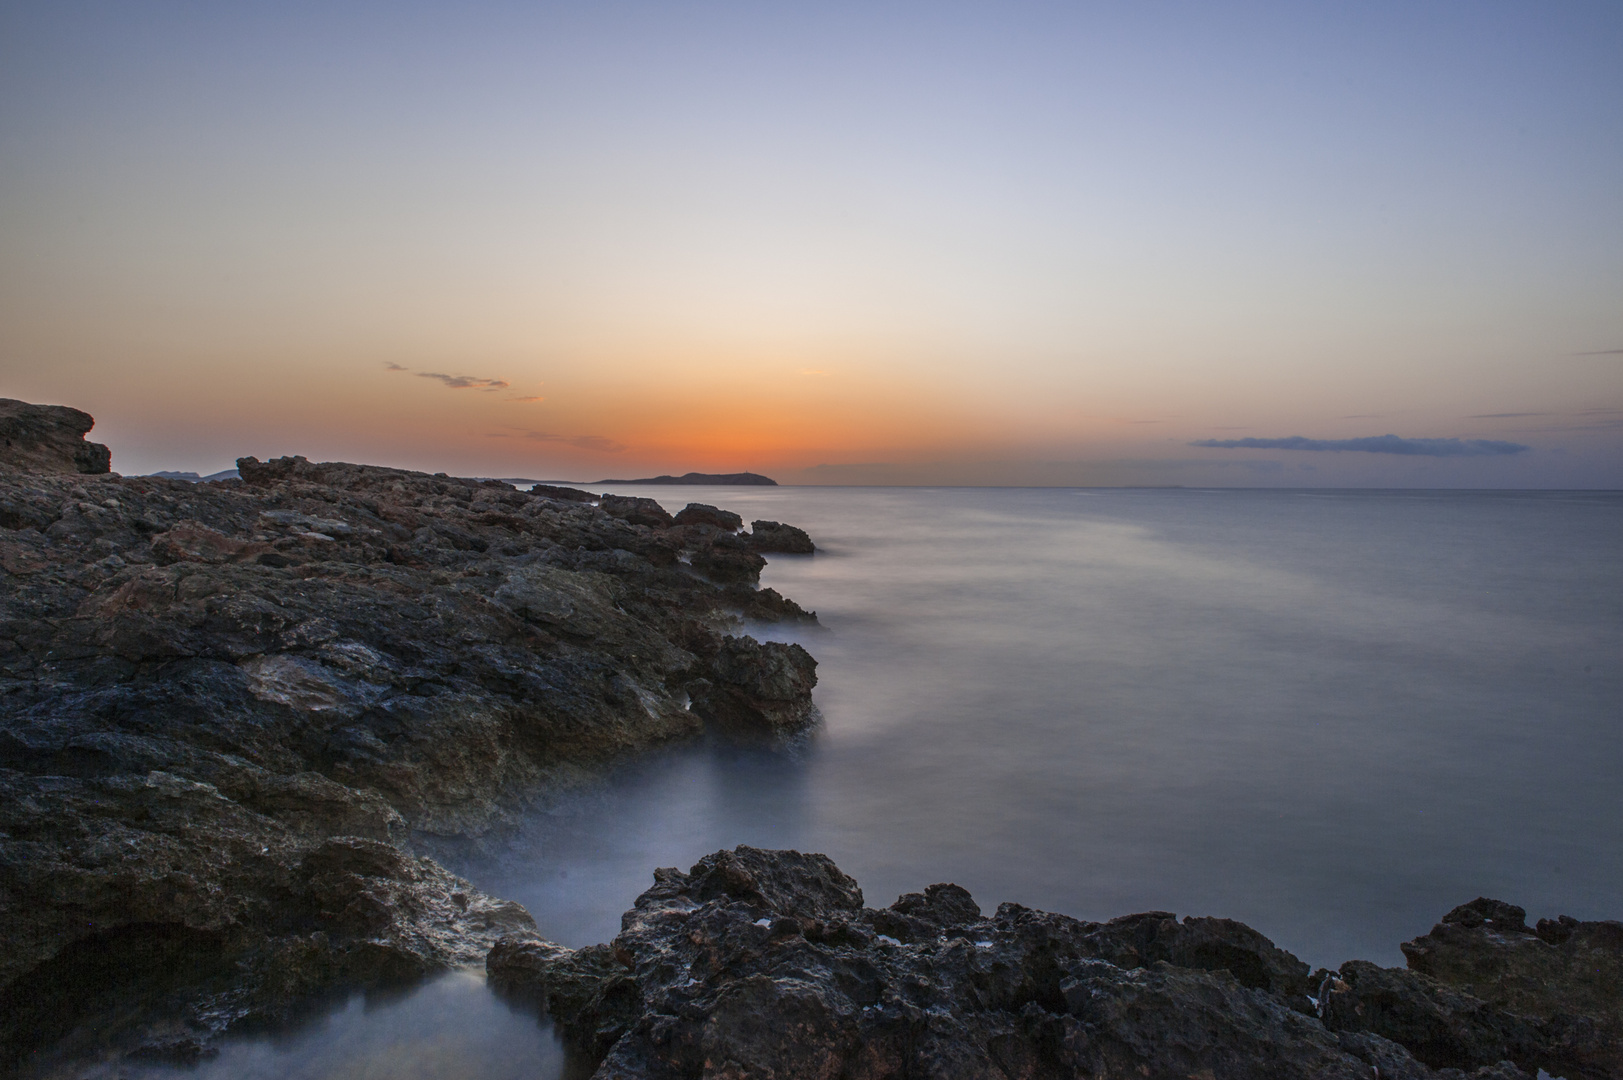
(458, 382)
(1601, 352)
(1375, 444)
(532, 397)
(1503, 415)
(465, 382)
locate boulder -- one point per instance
(757, 689)
(705, 514)
(775, 537)
(636, 511)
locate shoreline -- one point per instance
(237, 720)
(235, 715)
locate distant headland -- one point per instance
(735, 479)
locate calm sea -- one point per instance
(1332, 715)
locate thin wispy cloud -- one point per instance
(1503, 415)
(1601, 352)
(1375, 444)
(532, 397)
(465, 382)
(455, 382)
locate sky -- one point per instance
(1211, 244)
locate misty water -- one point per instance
(1331, 715)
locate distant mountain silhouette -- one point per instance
(736, 479)
(195, 478)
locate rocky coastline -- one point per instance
(240, 718)
(767, 964)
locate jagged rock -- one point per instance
(773, 536)
(1439, 1025)
(725, 558)
(49, 439)
(705, 514)
(760, 689)
(637, 511)
(1565, 975)
(766, 963)
(236, 718)
(563, 494)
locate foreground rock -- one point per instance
(48, 438)
(237, 718)
(766, 964)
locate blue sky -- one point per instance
(1014, 243)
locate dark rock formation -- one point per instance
(236, 717)
(1565, 975)
(757, 690)
(48, 439)
(766, 963)
(705, 514)
(562, 493)
(773, 536)
(637, 511)
(735, 479)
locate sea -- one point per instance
(1332, 715)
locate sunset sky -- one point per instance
(956, 243)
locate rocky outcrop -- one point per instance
(237, 719)
(767, 963)
(1564, 974)
(757, 690)
(48, 439)
(773, 536)
(705, 514)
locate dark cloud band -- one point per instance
(1375, 444)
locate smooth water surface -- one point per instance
(1331, 715)
(451, 1028)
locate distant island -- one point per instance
(195, 478)
(735, 479)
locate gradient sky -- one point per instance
(941, 242)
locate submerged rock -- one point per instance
(236, 718)
(767, 964)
